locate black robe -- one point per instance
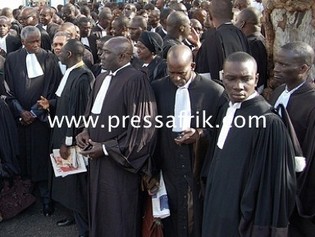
(71, 191)
(181, 164)
(156, 69)
(114, 180)
(13, 43)
(45, 38)
(258, 51)
(250, 189)
(301, 109)
(168, 42)
(52, 29)
(9, 149)
(24, 93)
(219, 44)
(92, 47)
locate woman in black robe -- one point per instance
(149, 45)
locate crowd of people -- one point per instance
(176, 90)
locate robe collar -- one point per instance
(305, 87)
(119, 69)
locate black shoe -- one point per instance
(48, 209)
(65, 222)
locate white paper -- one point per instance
(160, 207)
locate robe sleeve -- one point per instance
(77, 103)
(306, 180)
(53, 77)
(210, 56)
(133, 149)
(15, 105)
(269, 194)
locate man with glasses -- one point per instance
(29, 17)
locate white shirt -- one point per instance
(3, 44)
(85, 41)
(33, 68)
(104, 33)
(182, 108)
(65, 78)
(228, 120)
(285, 96)
(100, 97)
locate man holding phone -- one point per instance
(189, 99)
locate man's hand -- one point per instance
(82, 139)
(27, 118)
(193, 38)
(43, 103)
(151, 184)
(96, 151)
(188, 136)
(64, 152)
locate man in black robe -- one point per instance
(180, 159)
(250, 188)
(178, 29)
(8, 42)
(29, 17)
(293, 64)
(88, 39)
(32, 72)
(102, 27)
(46, 21)
(72, 97)
(9, 149)
(121, 145)
(221, 41)
(248, 20)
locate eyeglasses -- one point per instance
(25, 17)
(198, 29)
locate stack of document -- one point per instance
(74, 164)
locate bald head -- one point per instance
(5, 20)
(251, 15)
(120, 45)
(179, 54)
(178, 24)
(117, 52)
(28, 11)
(70, 28)
(221, 9)
(180, 64)
(7, 12)
(28, 16)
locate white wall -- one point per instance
(16, 3)
(11, 3)
(54, 3)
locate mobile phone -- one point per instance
(179, 136)
(87, 147)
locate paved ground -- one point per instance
(32, 223)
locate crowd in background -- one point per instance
(149, 59)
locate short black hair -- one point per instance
(303, 51)
(75, 46)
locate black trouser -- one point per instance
(300, 226)
(82, 223)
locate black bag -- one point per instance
(15, 196)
